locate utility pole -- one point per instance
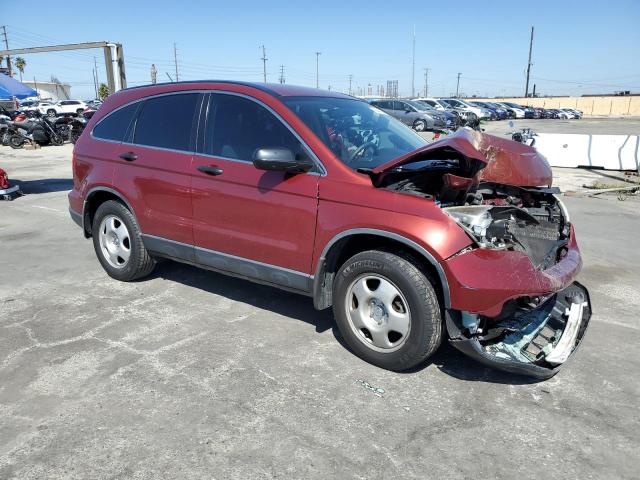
(6, 44)
(458, 85)
(154, 74)
(264, 64)
(317, 69)
(95, 75)
(426, 82)
(175, 59)
(526, 88)
(413, 64)
(95, 84)
(282, 74)
(350, 80)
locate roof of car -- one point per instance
(275, 89)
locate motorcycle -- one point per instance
(78, 124)
(525, 135)
(42, 131)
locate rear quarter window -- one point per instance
(115, 125)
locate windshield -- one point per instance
(424, 105)
(358, 134)
(419, 105)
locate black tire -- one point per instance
(16, 141)
(51, 113)
(420, 125)
(140, 263)
(425, 333)
(57, 140)
(79, 111)
(74, 136)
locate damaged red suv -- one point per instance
(321, 194)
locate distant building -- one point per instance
(50, 90)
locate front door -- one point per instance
(254, 223)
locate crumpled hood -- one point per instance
(494, 159)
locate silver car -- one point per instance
(407, 113)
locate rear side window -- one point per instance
(236, 127)
(166, 121)
(115, 125)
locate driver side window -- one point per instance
(236, 127)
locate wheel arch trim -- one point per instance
(319, 272)
(92, 192)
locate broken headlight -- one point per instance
(480, 225)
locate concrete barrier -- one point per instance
(611, 152)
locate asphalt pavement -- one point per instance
(189, 374)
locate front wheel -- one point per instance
(118, 243)
(420, 126)
(57, 140)
(387, 310)
(16, 141)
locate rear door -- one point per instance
(255, 223)
(154, 170)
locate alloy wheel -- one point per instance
(115, 242)
(378, 313)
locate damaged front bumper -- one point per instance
(533, 341)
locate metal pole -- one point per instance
(6, 44)
(317, 69)
(526, 88)
(413, 64)
(458, 85)
(264, 64)
(426, 82)
(350, 79)
(95, 84)
(175, 59)
(95, 75)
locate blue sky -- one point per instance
(579, 47)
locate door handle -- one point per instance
(128, 156)
(210, 170)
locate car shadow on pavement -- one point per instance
(44, 185)
(264, 297)
(447, 359)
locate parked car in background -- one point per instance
(413, 115)
(30, 108)
(541, 112)
(463, 106)
(62, 107)
(518, 110)
(560, 114)
(321, 194)
(572, 113)
(452, 118)
(497, 113)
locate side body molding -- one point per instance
(320, 269)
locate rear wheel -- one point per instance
(387, 310)
(118, 243)
(57, 140)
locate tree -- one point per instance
(103, 91)
(20, 64)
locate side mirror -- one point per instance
(281, 160)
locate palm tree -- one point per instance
(103, 91)
(20, 64)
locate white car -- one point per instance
(63, 106)
(463, 106)
(517, 109)
(34, 106)
(434, 102)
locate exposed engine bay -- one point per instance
(495, 216)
